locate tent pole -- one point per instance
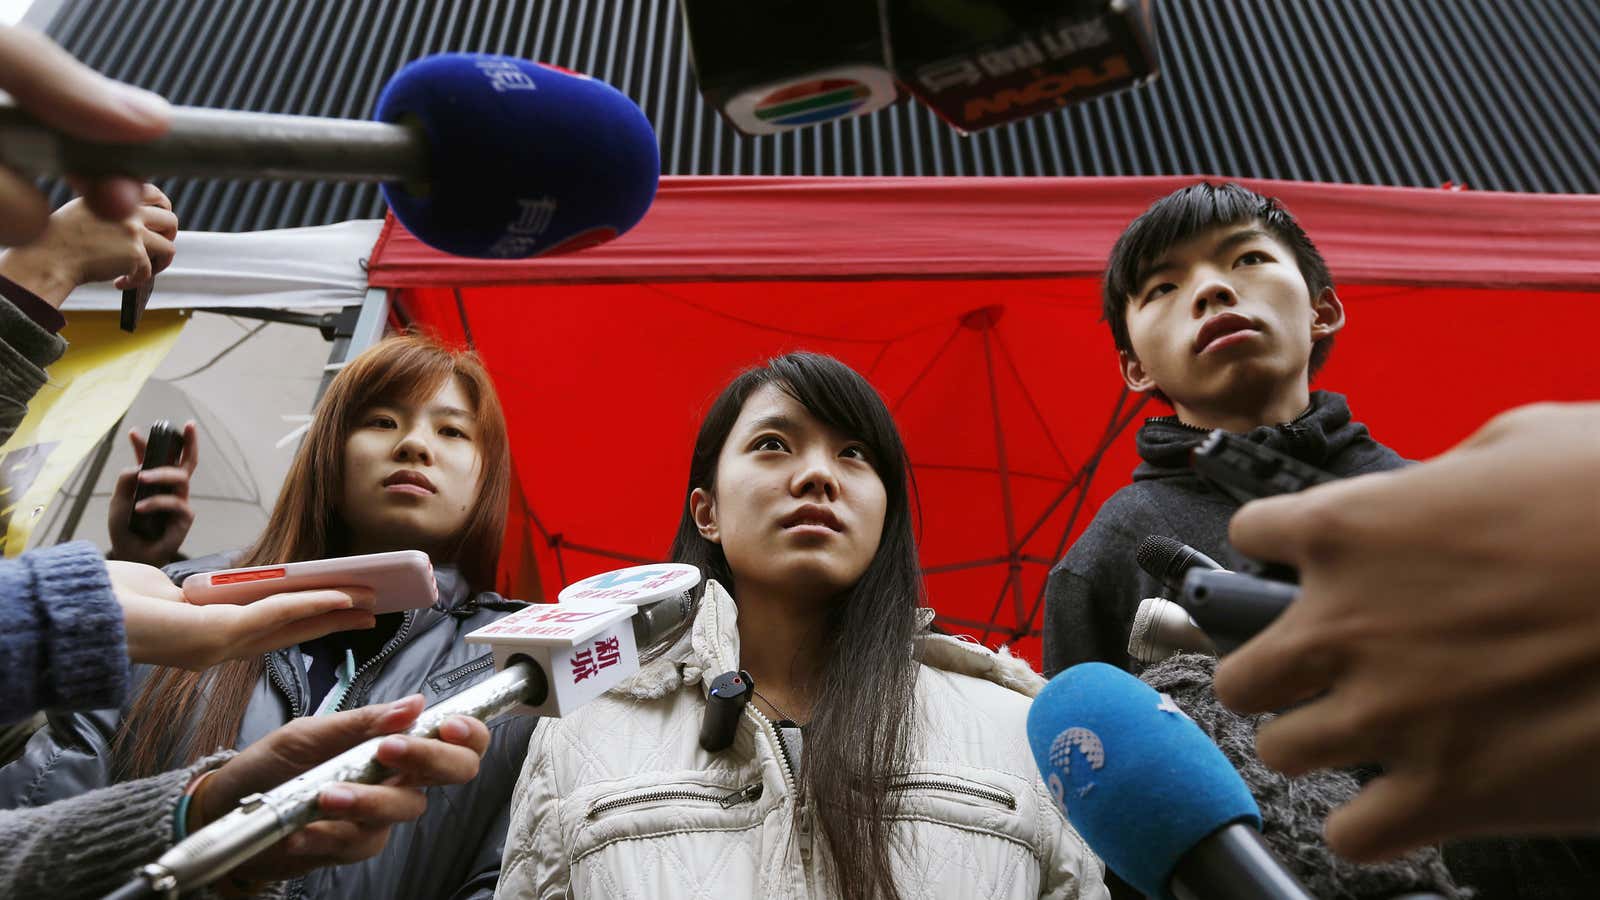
(91, 477)
(358, 328)
(1013, 563)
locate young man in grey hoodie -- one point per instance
(1222, 307)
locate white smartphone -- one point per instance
(401, 579)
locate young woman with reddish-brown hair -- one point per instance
(407, 450)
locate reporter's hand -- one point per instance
(358, 815)
(126, 545)
(1449, 629)
(78, 247)
(46, 81)
(164, 629)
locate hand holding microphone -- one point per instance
(552, 659)
(479, 155)
(1164, 806)
(1448, 629)
(67, 95)
(356, 817)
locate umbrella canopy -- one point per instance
(973, 306)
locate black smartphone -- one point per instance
(163, 447)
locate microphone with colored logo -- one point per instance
(479, 155)
(989, 62)
(779, 65)
(551, 659)
(1149, 792)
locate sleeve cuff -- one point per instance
(31, 305)
(86, 648)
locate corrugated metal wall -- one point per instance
(1496, 95)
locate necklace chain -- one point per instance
(774, 706)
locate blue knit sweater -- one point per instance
(61, 639)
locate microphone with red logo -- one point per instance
(552, 659)
(982, 64)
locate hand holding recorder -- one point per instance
(150, 513)
(164, 628)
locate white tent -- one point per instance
(249, 384)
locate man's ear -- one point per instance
(1133, 373)
(1327, 315)
(703, 507)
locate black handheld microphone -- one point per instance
(1233, 606)
(1168, 560)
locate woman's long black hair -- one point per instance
(861, 725)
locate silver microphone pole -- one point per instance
(261, 820)
(220, 143)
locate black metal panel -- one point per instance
(1497, 96)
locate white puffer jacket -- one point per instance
(619, 800)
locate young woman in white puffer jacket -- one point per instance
(908, 773)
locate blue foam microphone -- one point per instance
(1150, 792)
(523, 159)
(479, 155)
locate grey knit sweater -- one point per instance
(91, 845)
(25, 350)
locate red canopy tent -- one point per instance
(973, 306)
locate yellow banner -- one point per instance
(89, 390)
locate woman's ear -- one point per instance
(703, 507)
(1327, 315)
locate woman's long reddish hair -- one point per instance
(305, 525)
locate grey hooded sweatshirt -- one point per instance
(1095, 590)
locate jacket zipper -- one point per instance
(470, 668)
(296, 709)
(972, 790)
(383, 654)
(277, 681)
(802, 821)
(728, 801)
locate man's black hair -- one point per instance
(1190, 211)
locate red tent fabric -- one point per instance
(973, 306)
